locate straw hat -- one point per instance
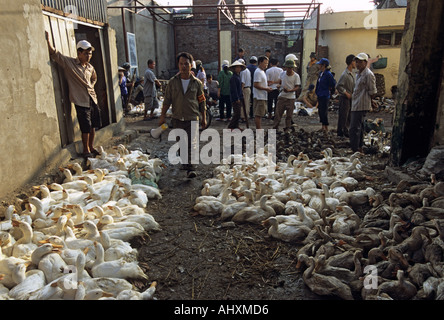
(238, 63)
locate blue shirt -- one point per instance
(324, 84)
(123, 88)
(236, 88)
(252, 68)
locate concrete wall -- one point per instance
(29, 127)
(353, 32)
(150, 36)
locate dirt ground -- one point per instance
(195, 257)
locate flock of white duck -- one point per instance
(73, 241)
(395, 251)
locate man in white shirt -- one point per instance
(273, 76)
(290, 82)
(246, 90)
(260, 91)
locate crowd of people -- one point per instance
(258, 90)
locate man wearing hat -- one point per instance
(223, 94)
(81, 77)
(236, 94)
(326, 83)
(289, 83)
(365, 89)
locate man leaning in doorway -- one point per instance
(185, 93)
(81, 77)
(365, 90)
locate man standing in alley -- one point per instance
(274, 78)
(345, 86)
(81, 77)
(365, 89)
(185, 93)
(260, 91)
(150, 90)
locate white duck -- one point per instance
(286, 232)
(33, 280)
(146, 220)
(24, 246)
(255, 214)
(6, 243)
(116, 268)
(231, 209)
(148, 294)
(116, 249)
(150, 191)
(47, 258)
(6, 224)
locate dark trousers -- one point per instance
(234, 123)
(356, 131)
(185, 125)
(343, 115)
(323, 110)
(225, 101)
(272, 99)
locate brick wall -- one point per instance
(198, 36)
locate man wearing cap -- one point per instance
(289, 83)
(236, 94)
(224, 91)
(365, 89)
(252, 68)
(81, 77)
(345, 86)
(150, 90)
(326, 82)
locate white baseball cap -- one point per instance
(225, 63)
(84, 45)
(362, 56)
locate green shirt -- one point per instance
(224, 82)
(185, 106)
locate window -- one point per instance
(389, 38)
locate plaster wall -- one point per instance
(29, 127)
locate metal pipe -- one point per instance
(125, 38)
(218, 39)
